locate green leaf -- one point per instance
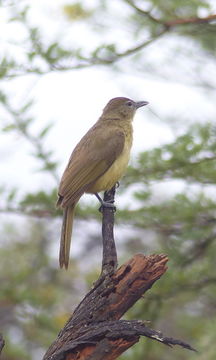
(12, 194)
(27, 106)
(9, 128)
(44, 132)
(76, 11)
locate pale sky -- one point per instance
(73, 100)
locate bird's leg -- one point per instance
(105, 203)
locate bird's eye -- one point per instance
(129, 103)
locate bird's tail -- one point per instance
(66, 233)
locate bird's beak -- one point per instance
(138, 104)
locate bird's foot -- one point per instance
(117, 185)
(107, 204)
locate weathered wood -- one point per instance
(94, 328)
(111, 339)
(94, 331)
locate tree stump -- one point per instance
(95, 331)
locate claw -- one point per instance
(105, 204)
(117, 184)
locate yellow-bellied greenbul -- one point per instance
(98, 161)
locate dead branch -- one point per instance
(94, 331)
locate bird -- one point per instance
(97, 163)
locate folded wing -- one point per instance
(91, 158)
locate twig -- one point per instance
(174, 22)
(88, 62)
(35, 140)
(109, 262)
(192, 20)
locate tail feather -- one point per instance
(66, 233)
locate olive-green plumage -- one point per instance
(98, 161)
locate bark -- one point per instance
(95, 331)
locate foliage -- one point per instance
(35, 296)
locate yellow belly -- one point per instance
(114, 173)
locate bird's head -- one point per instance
(121, 107)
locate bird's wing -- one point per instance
(91, 158)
